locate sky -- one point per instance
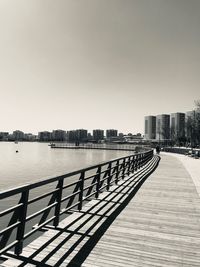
(96, 64)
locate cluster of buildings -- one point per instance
(79, 135)
(168, 127)
(82, 135)
(17, 136)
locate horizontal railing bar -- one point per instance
(120, 176)
(103, 187)
(42, 196)
(5, 212)
(38, 228)
(93, 193)
(8, 247)
(102, 172)
(106, 178)
(89, 186)
(40, 212)
(68, 197)
(71, 184)
(67, 209)
(89, 177)
(107, 170)
(9, 228)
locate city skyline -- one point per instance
(187, 113)
(96, 64)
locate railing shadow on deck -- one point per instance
(113, 201)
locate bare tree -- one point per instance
(190, 130)
(173, 135)
(197, 122)
(197, 104)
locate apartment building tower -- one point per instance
(163, 127)
(150, 127)
(98, 134)
(177, 123)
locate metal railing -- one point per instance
(67, 192)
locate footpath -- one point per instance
(144, 221)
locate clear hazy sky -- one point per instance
(96, 63)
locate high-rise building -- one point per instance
(4, 136)
(98, 134)
(163, 127)
(82, 135)
(59, 135)
(44, 136)
(30, 137)
(111, 133)
(177, 124)
(18, 135)
(71, 136)
(150, 127)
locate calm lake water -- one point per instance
(36, 161)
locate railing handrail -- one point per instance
(85, 187)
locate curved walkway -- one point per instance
(159, 227)
(192, 165)
(143, 222)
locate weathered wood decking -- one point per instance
(157, 225)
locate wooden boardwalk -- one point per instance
(142, 221)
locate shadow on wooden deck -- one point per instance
(70, 244)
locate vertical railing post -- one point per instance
(132, 164)
(123, 171)
(143, 159)
(58, 200)
(22, 220)
(139, 161)
(117, 172)
(129, 165)
(109, 176)
(136, 165)
(80, 199)
(98, 185)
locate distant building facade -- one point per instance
(80, 135)
(4, 136)
(163, 127)
(30, 137)
(111, 133)
(98, 134)
(150, 127)
(177, 123)
(71, 136)
(18, 135)
(58, 135)
(133, 137)
(44, 136)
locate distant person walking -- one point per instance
(158, 149)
